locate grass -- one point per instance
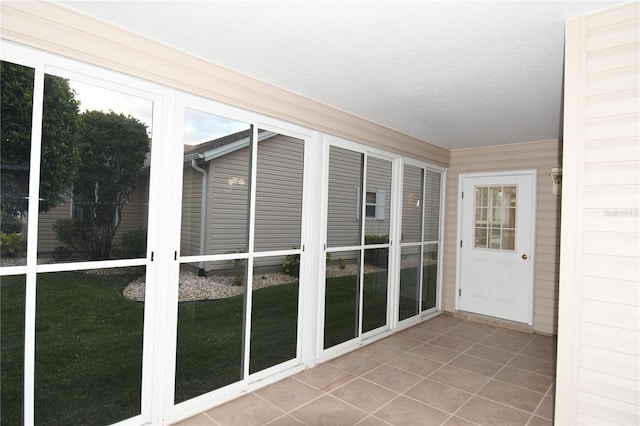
(89, 341)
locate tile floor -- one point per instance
(446, 371)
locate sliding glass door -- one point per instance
(356, 291)
(240, 252)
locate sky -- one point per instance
(199, 126)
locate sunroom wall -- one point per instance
(541, 156)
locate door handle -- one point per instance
(525, 257)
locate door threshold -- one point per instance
(511, 325)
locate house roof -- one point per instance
(215, 148)
(456, 74)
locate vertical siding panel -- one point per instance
(598, 358)
(541, 156)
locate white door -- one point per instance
(496, 246)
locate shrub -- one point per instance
(10, 224)
(291, 265)
(12, 245)
(61, 253)
(134, 244)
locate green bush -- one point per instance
(10, 224)
(376, 239)
(12, 245)
(291, 265)
(134, 244)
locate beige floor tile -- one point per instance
(533, 364)
(457, 421)
(289, 394)
(248, 410)
(539, 421)
(465, 334)
(544, 340)
(546, 409)
(401, 342)
(392, 378)
(199, 420)
(373, 421)
(363, 394)
(547, 353)
(451, 343)
(435, 353)
(484, 412)
(459, 378)
(438, 395)
(419, 332)
(285, 420)
(477, 327)
(525, 379)
(328, 411)
(514, 396)
(446, 320)
(404, 411)
(379, 352)
(490, 354)
(321, 376)
(476, 365)
(354, 363)
(514, 335)
(415, 364)
(503, 343)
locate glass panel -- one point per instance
(215, 184)
(16, 94)
(279, 192)
(210, 322)
(374, 291)
(88, 361)
(432, 206)
(345, 186)
(412, 204)
(12, 305)
(341, 322)
(274, 313)
(409, 303)
(94, 173)
(508, 240)
(480, 240)
(379, 185)
(429, 276)
(494, 239)
(499, 203)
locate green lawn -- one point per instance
(89, 342)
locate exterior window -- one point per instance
(374, 205)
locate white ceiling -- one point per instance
(455, 74)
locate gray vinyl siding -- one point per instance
(412, 204)
(345, 173)
(279, 193)
(536, 155)
(379, 179)
(191, 212)
(136, 212)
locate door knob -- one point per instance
(525, 257)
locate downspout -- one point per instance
(203, 213)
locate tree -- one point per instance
(113, 152)
(59, 142)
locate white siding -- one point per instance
(599, 325)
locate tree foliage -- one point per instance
(113, 148)
(59, 157)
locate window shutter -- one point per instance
(380, 205)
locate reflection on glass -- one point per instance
(429, 276)
(12, 304)
(377, 208)
(432, 206)
(274, 315)
(495, 217)
(409, 282)
(215, 185)
(210, 321)
(94, 176)
(278, 192)
(341, 321)
(16, 94)
(88, 360)
(374, 289)
(412, 204)
(345, 184)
